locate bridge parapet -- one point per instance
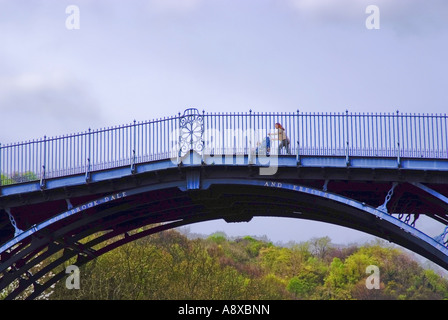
(376, 173)
(395, 136)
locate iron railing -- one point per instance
(316, 134)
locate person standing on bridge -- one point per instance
(282, 137)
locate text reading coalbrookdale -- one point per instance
(97, 202)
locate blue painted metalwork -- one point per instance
(20, 236)
(441, 237)
(348, 135)
(17, 231)
(391, 141)
(194, 160)
(1, 176)
(435, 243)
(431, 245)
(383, 207)
(193, 180)
(191, 130)
(432, 192)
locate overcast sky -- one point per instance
(148, 59)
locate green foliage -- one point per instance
(18, 178)
(218, 237)
(24, 177)
(168, 265)
(303, 285)
(336, 282)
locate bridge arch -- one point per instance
(121, 215)
(69, 195)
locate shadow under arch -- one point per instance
(234, 200)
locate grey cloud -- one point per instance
(403, 16)
(44, 105)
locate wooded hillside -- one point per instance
(168, 265)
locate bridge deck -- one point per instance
(330, 136)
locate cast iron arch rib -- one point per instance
(280, 199)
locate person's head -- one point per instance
(278, 126)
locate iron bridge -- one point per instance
(75, 197)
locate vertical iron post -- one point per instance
(133, 150)
(1, 181)
(398, 141)
(298, 162)
(202, 137)
(179, 142)
(88, 160)
(251, 134)
(446, 135)
(42, 179)
(347, 160)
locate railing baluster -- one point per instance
(1, 169)
(42, 181)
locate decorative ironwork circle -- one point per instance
(191, 132)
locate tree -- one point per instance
(336, 281)
(167, 265)
(303, 285)
(320, 246)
